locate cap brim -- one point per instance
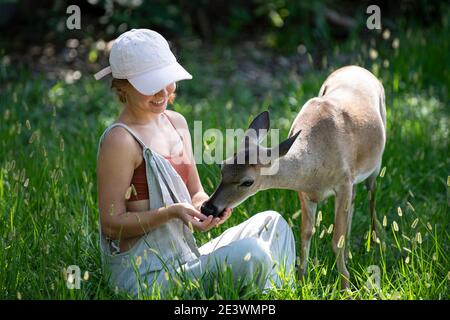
(154, 81)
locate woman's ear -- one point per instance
(171, 90)
(122, 94)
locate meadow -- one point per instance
(49, 132)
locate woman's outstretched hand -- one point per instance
(214, 222)
(225, 215)
(191, 216)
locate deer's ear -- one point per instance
(285, 146)
(261, 121)
(259, 126)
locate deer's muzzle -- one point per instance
(209, 209)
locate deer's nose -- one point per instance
(209, 209)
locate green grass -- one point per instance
(48, 200)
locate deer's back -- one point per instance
(343, 130)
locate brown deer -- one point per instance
(335, 142)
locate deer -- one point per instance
(336, 141)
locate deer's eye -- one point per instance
(247, 183)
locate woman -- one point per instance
(150, 193)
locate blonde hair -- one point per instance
(122, 85)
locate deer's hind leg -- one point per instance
(343, 203)
(371, 186)
(308, 219)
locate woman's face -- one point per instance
(156, 103)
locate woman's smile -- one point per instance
(158, 102)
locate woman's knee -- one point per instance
(280, 236)
(253, 252)
(277, 220)
(270, 213)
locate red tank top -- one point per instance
(139, 181)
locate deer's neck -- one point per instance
(286, 173)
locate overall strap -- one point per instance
(119, 124)
(157, 175)
(171, 122)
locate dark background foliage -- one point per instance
(278, 24)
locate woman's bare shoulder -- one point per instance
(117, 143)
(178, 119)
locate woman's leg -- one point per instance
(274, 236)
(248, 259)
(256, 251)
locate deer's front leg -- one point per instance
(343, 204)
(308, 219)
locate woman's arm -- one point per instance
(194, 185)
(115, 167)
(198, 199)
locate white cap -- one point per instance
(143, 57)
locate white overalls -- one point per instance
(253, 250)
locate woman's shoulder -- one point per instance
(117, 136)
(178, 119)
(119, 140)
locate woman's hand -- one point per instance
(198, 199)
(188, 214)
(225, 215)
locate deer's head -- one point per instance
(244, 172)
